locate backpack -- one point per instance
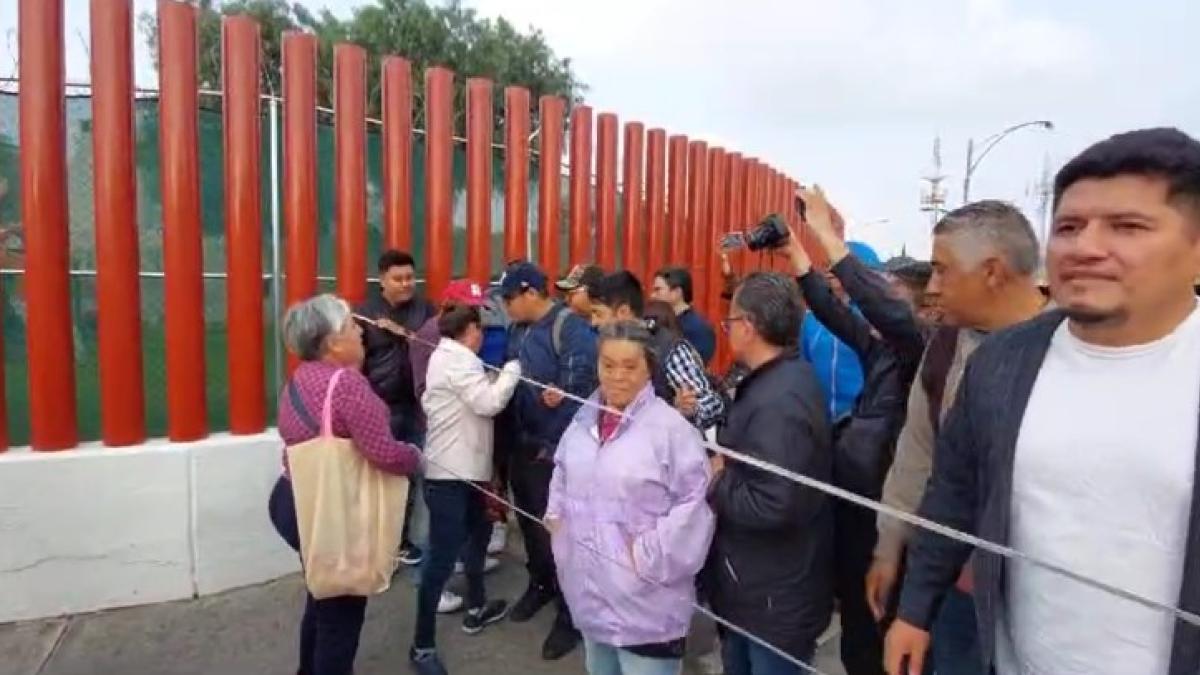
(939, 356)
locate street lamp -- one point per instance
(988, 144)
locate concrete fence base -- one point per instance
(96, 528)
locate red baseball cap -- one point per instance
(464, 291)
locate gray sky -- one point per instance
(850, 94)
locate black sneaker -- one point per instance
(426, 662)
(410, 555)
(563, 638)
(534, 599)
(479, 618)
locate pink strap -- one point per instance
(327, 407)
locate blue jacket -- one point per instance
(837, 366)
(573, 370)
(699, 332)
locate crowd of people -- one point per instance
(1060, 421)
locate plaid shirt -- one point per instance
(685, 370)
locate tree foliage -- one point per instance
(449, 35)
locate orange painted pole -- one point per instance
(299, 167)
(51, 352)
(479, 178)
(718, 219)
(439, 180)
(581, 185)
(697, 228)
(397, 153)
(350, 169)
(606, 191)
(656, 201)
(516, 173)
(676, 203)
(118, 294)
(550, 184)
(187, 411)
(634, 248)
(748, 260)
(243, 225)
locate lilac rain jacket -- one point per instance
(636, 502)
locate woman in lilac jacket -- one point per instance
(631, 527)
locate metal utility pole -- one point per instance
(933, 198)
(989, 143)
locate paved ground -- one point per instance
(253, 631)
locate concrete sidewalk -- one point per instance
(254, 631)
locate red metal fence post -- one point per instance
(718, 218)
(697, 228)
(580, 241)
(439, 180)
(183, 262)
(243, 226)
(397, 153)
(299, 167)
(606, 191)
(656, 200)
(350, 145)
(634, 247)
(676, 204)
(118, 293)
(47, 286)
(479, 179)
(516, 173)
(550, 185)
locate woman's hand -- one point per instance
(685, 402)
(553, 524)
(552, 397)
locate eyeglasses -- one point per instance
(728, 321)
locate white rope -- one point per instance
(879, 507)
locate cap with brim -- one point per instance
(581, 276)
(522, 277)
(464, 291)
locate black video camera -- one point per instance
(770, 232)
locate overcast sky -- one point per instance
(850, 94)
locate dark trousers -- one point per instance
(330, 628)
(854, 543)
(741, 656)
(405, 428)
(530, 477)
(955, 634)
(457, 524)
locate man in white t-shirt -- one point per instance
(1076, 441)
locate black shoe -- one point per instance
(427, 662)
(410, 555)
(535, 598)
(478, 619)
(562, 639)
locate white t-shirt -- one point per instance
(1102, 484)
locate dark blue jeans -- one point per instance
(458, 524)
(956, 637)
(330, 628)
(741, 656)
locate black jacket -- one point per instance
(387, 365)
(890, 355)
(971, 490)
(771, 565)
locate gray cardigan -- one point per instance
(971, 490)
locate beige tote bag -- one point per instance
(349, 513)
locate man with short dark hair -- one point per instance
(556, 347)
(678, 376)
(578, 286)
(771, 566)
(397, 308)
(1074, 437)
(673, 285)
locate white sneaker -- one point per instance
(489, 565)
(449, 603)
(499, 540)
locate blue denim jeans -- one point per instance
(602, 659)
(956, 637)
(458, 524)
(741, 656)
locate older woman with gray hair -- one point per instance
(322, 332)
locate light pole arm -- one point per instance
(990, 142)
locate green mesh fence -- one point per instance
(149, 218)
